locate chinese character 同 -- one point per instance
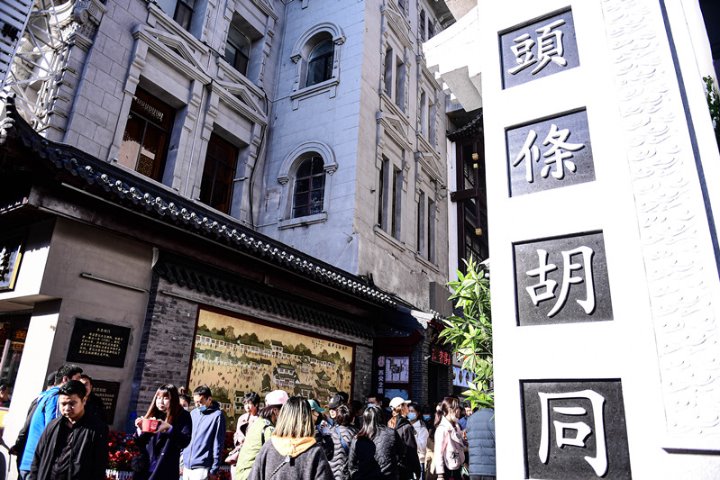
(599, 462)
(550, 48)
(549, 286)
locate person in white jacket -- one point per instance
(421, 434)
(449, 452)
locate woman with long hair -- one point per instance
(410, 463)
(342, 434)
(161, 446)
(292, 452)
(377, 449)
(449, 448)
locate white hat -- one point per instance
(276, 397)
(397, 401)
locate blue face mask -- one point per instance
(412, 416)
(202, 408)
(426, 418)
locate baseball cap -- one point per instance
(276, 397)
(335, 402)
(397, 401)
(314, 406)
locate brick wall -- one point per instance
(169, 331)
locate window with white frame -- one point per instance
(216, 187)
(389, 72)
(424, 112)
(396, 208)
(420, 233)
(400, 74)
(243, 47)
(309, 189)
(184, 10)
(421, 25)
(426, 217)
(390, 194)
(432, 127)
(147, 133)
(320, 62)
(432, 215)
(317, 55)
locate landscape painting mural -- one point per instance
(234, 355)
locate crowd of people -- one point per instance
(65, 437)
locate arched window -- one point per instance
(309, 187)
(320, 62)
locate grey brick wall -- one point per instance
(166, 346)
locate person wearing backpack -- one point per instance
(409, 462)
(449, 454)
(259, 432)
(342, 434)
(292, 453)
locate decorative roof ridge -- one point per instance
(471, 128)
(89, 173)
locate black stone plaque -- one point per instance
(538, 49)
(108, 393)
(10, 257)
(98, 343)
(562, 280)
(575, 430)
(550, 153)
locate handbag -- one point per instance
(232, 457)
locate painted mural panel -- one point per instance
(234, 355)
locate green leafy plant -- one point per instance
(713, 100)
(470, 332)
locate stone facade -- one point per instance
(379, 113)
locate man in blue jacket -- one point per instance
(201, 459)
(45, 412)
(481, 444)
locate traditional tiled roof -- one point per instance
(85, 172)
(471, 129)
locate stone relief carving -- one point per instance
(666, 190)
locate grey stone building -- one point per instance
(275, 163)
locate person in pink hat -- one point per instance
(259, 432)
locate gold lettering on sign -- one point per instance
(100, 344)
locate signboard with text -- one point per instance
(98, 343)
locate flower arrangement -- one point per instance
(121, 451)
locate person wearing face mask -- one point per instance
(409, 466)
(201, 459)
(421, 434)
(162, 442)
(259, 433)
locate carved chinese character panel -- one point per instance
(562, 280)
(575, 430)
(538, 49)
(551, 153)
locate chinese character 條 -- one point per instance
(558, 154)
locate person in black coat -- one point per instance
(342, 434)
(376, 450)
(93, 404)
(292, 452)
(409, 462)
(74, 445)
(161, 446)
